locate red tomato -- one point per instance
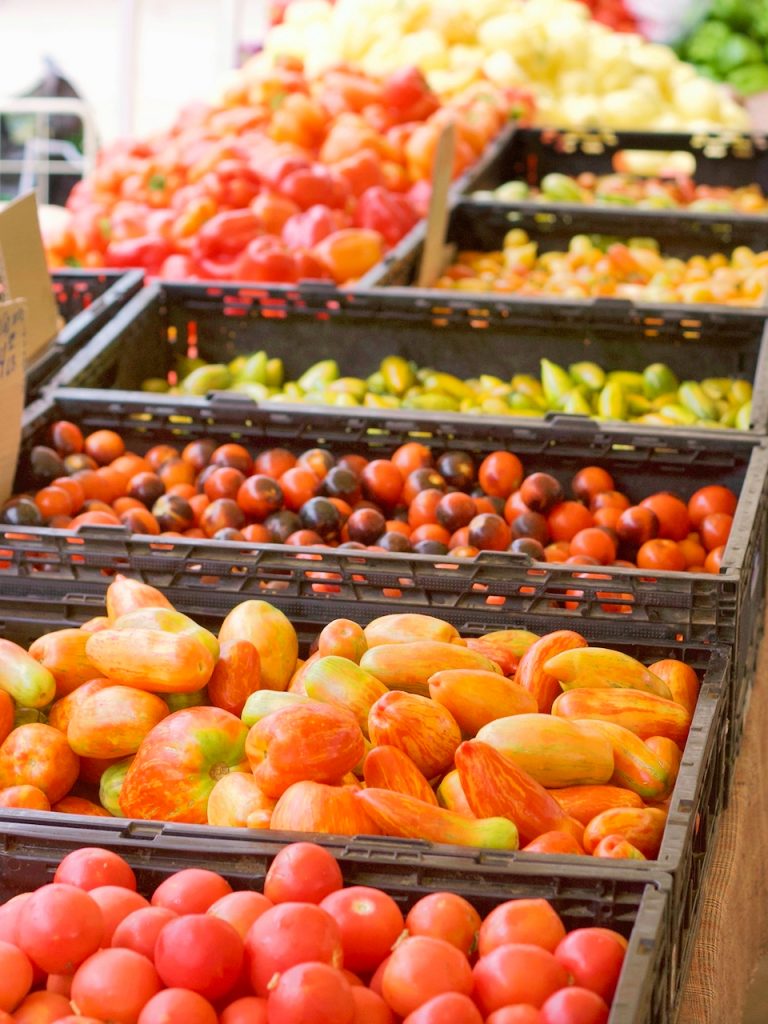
(116, 904)
(517, 973)
(672, 513)
(661, 554)
(41, 1008)
(309, 993)
(594, 957)
(369, 921)
(59, 926)
(115, 985)
(590, 481)
(500, 474)
(199, 952)
(567, 519)
(532, 922)
(15, 976)
(575, 1006)
(302, 873)
(248, 1010)
(715, 530)
(370, 1008)
(139, 930)
(191, 891)
(382, 482)
(444, 915)
(9, 917)
(177, 1005)
(422, 968)
(448, 1008)
(240, 909)
(290, 934)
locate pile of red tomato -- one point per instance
(411, 502)
(288, 179)
(89, 949)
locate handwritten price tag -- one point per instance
(13, 341)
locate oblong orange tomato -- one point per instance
(420, 727)
(126, 595)
(585, 802)
(61, 712)
(39, 755)
(273, 636)
(342, 638)
(317, 807)
(388, 767)
(6, 714)
(29, 797)
(79, 805)
(169, 621)
(63, 654)
(476, 698)
(150, 659)
(236, 676)
(643, 827)
(555, 842)
(113, 722)
(682, 681)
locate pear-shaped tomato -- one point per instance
(271, 634)
(180, 762)
(113, 722)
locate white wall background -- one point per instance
(183, 48)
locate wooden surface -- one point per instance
(733, 932)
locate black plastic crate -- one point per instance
(357, 330)
(697, 801)
(730, 159)
(481, 226)
(86, 300)
(637, 907)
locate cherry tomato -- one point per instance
(115, 985)
(140, 929)
(310, 992)
(290, 934)
(178, 1004)
(58, 927)
(447, 916)
(593, 956)
(517, 973)
(200, 952)
(530, 921)
(302, 873)
(115, 904)
(370, 923)
(16, 976)
(421, 968)
(191, 891)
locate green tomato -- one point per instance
(750, 79)
(737, 52)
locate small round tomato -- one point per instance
(382, 482)
(672, 514)
(566, 519)
(302, 873)
(707, 500)
(370, 923)
(594, 957)
(248, 1010)
(199, 952)
(234, 455)
(311, 992)
(58, 927)
(104, 446)
(594, 542)
(636, 525)
(190, 891)
(661, 554)
(115, 904)
(715, 529)
(421, 968)
(448, 1008)
(444, 915)
(16, 976)
(517, 973)
(575, 1006)
(411, 456)
(290, 934)
(591, 481)
(714, 560)
(240, 909)
(370, 1008)
(500, 474)
(274, 462)
(140, 929)
(178, 1004)
(533, 922)
(115, 985)
(609, 499)
(223, 482)
(298, 485)
(423, 509)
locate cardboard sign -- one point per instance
(24, 274)
(433, 254)
(12, 346)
